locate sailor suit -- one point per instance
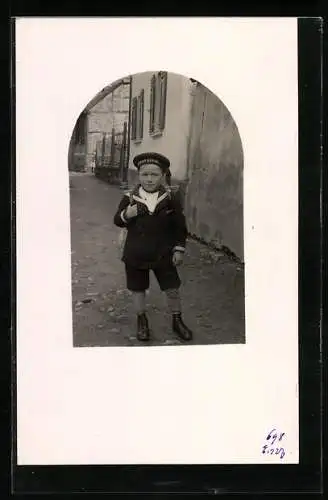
(153, 235)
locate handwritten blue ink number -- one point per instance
(270, 449)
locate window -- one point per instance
(158, 91)
(137, 117)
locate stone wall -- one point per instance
(214, 193)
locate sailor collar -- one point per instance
(162, 194)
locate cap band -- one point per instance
(148, 161)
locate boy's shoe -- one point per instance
(180, 328)
(143, 332)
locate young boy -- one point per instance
(156, 238)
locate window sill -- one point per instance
(156, 133)
(137, 141)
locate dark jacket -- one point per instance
(152, 237)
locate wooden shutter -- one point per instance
(141, 112)
(162, 109)
(134, 118)
(152, 104)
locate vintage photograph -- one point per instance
(156, 209)
(157, 239)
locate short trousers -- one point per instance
(167, 276)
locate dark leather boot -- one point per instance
(143, 333)
(180, 328)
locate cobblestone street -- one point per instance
(103, 314)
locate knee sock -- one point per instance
(139, 299)
(173, 300)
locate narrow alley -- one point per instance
(103, 314)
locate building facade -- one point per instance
(103, 116)
(108, 115)
(160, 119)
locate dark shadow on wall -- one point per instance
(78, 145)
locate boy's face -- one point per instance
(150, 177)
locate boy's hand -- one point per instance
(131, 211)
(177, 258)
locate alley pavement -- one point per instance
(103, 314)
